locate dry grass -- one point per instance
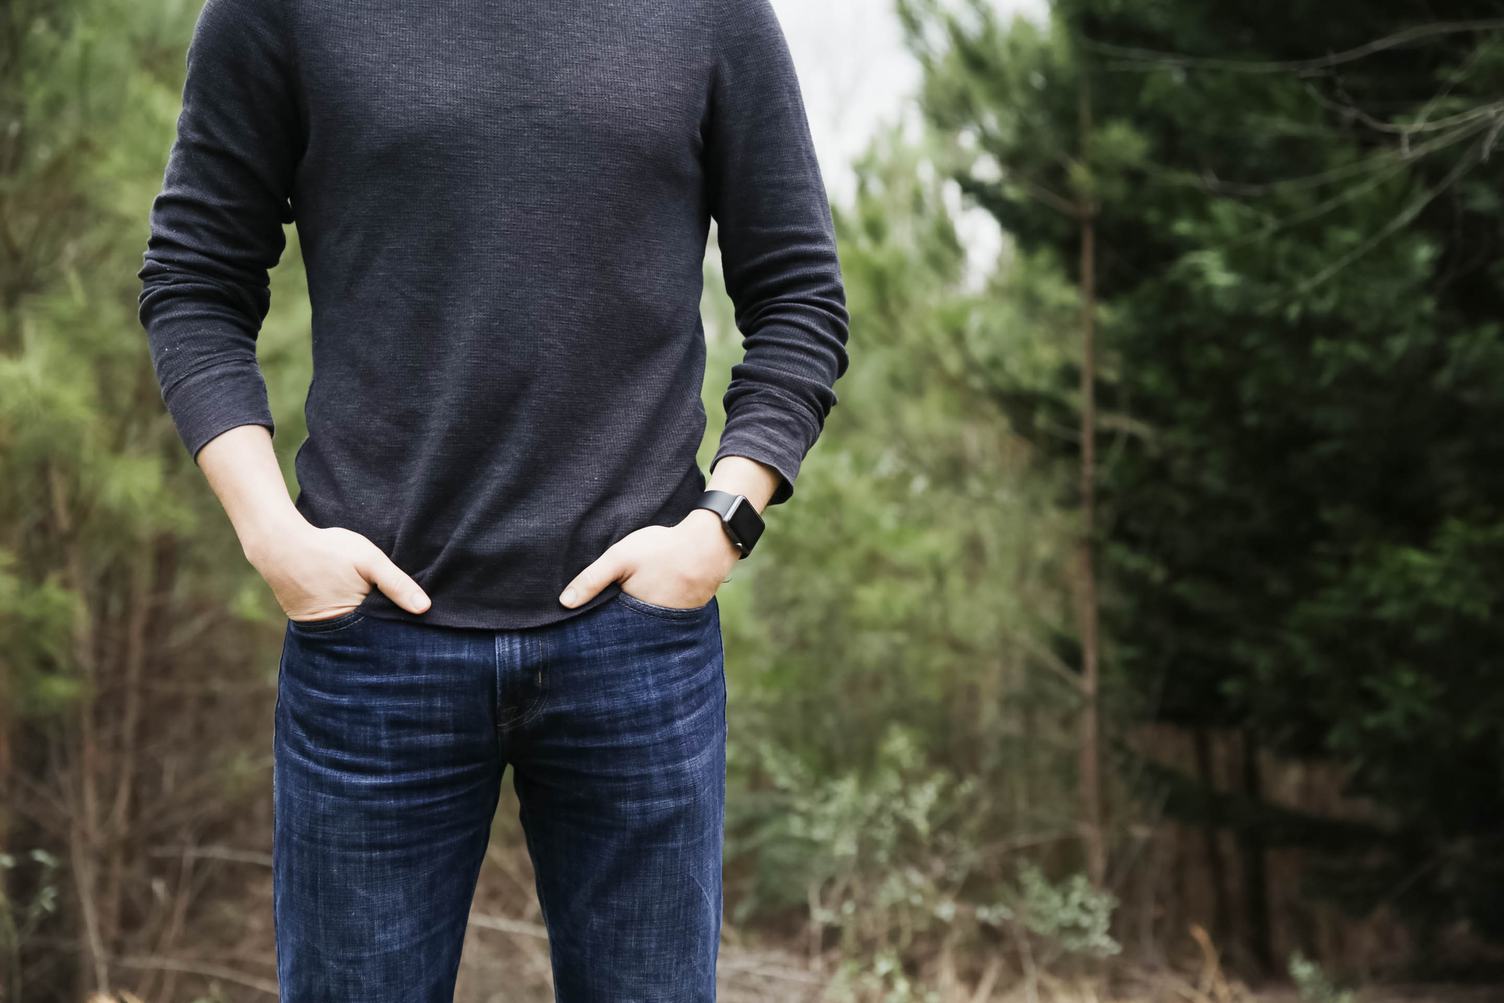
(506, 961)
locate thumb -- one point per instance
(587, 584)
(379, 570)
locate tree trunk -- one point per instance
(1091, 743)
(1211, 834)
(1255, 870)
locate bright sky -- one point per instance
(856, 77)
(854, 73)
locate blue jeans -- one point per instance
(390, 743)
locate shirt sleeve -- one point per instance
(778, 249)
(216, 225)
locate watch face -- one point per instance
(744, 522)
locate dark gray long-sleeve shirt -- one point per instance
(503, 208)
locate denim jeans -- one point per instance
(390, 743)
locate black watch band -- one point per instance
(739, 517)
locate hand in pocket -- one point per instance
(318, 574)
(677, 567)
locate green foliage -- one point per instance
(20, 919)
(1314, 985)
(897, 714)
(1300, 476)
(886, 846)
(117, 566)
(894, 861)
(93, 474)
(920, 562)
(881, 979)
(1071, 915)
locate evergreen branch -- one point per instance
(1156, 59)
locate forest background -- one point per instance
(1135, 635)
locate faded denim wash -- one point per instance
(390, 743)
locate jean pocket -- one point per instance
(340, 622)
(664, 612)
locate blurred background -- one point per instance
(1135, 635)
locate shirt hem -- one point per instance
(442, 614)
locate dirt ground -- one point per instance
(506, 961)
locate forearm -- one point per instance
(242, 469)
(740, 475)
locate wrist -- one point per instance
(740, 521)
(707, 524)
(263, 537)
(740, 475)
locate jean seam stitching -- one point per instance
(662, 612)
(312, 627)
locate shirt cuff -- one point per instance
(211, 402)
(772, 434)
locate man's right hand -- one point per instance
(316, 574)
(319, 574)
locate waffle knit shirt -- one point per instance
(503, 209)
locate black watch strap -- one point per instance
(739, 517)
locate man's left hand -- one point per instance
(678, 566)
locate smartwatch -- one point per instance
(739, 517)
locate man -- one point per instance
(503, 550)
